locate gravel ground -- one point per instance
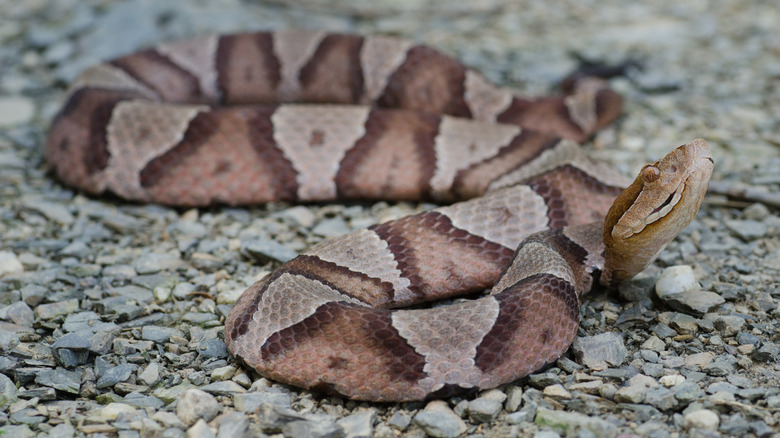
(111, 314)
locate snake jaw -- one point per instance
(624, 231)
(667, 206)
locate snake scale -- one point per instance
(307, 116)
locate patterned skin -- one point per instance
(218, 120)
(310, 116)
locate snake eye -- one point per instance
(650, 173)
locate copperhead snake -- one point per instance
(312, 116)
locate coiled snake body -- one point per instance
(311, 116)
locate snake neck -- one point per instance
(573, 253)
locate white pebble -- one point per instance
(16, 110)
(200, 430)
(556, 391)
(675, 280)
(654, 343)
(9, 263)
(701, 419)
(669, 381)
(195, 404)
(112, 410)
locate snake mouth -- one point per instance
(702, 164)
(656, 214)
(664, 204)
(698, 171)
(665, 207)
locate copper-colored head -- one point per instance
(662, 200)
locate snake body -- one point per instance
(312, 116)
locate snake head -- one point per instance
(662, 200)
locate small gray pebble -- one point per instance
(8, 391)
(195, 404)
(114, 375)
(663, 331)
(101, 343)
(653, 369)
(20, 314)
(60, 379)
(605, 348)
(212, 348)
(225, 387)
(649, 355)
(483, 410)
(728, 291)
(142, 401)
(173, 433)
(697, 302)
(768, 352)
(265, 250)
(28, 416)
(151, 374)
(331, 227)
(543, 380)
(440, 423)
(740, 381)
(721, 386)
(687, 392)
(358, 425)
(729, 325)
(400, 420)
(251, 401)
(233, 425)
(752, 394)
(74, 341)
(62, 430)
(747, 338)
(719, 368)
(619, 374)
(158, 334)
(71, 358)
(313, 429)
(747, 229)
